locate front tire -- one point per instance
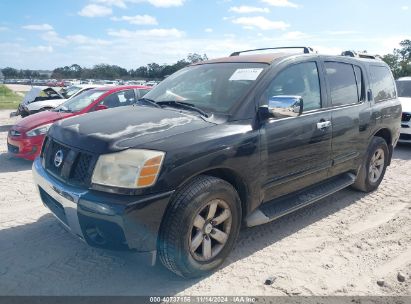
(200, 227)
(373, 167)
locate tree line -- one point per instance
(399, 61)
(153, 71)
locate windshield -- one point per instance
(212, 87)
(70, 91)
(404, 88)
(80, 101)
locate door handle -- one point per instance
(323, 125)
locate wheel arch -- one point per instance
(232, 177)
(385, 134)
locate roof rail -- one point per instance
(306, 49)
(359, 55)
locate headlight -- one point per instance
(39, 130)
(128, 169)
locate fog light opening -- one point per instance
(96, 235)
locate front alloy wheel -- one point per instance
(210, 230)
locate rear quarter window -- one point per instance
(382, 83)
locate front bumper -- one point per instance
(102, 219)
(23, 147)
(405, 132)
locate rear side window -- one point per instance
(343, 83)
(360, 83)
(383, 87)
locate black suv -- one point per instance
(239, 140)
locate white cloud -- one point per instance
(3, 28)
(94, 10)
(261, 23)
(138, 19)
(41, 49)
(160, 3)
(208, 30)
(38, 27)
(281, 3)
(244, 9)
(53, 38)
(153, 33)
(342, 32)
(118, 3)
(81, 39)
(405, 8)
(296, 35)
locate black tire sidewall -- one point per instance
(377, 143)
(218, 189)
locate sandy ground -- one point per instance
(340, 246)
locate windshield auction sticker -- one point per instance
(246, 74)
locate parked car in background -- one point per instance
(151, 83)
(52, 99)
(238, 140)
(26, 137)
(404, 93)
(37, 94)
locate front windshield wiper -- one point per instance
(149, 101)
(182, 104)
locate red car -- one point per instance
(26, 137)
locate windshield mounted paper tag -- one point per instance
(246, 74)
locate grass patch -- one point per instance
(8, 98)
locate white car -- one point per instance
(404, 94)
(32, 104)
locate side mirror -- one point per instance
(100, 107)
(284, 106)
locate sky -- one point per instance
(45, 34)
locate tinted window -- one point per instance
(118, 99)
(81, 101)
(297, 80)
(382, 83)
(143, 92)
(404, 88)
(343, 83)
(360, 83)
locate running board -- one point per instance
(279, 207)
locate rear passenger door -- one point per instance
(350, 114)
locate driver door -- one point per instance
(296, 151)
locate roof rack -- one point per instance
(306, 49)
(359, 55)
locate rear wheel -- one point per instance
(374, 165)
(200, 227)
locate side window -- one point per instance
(360, 83)
(383, 87)
(119, 99)
(143, 92)
(343, 83)
(298, 80)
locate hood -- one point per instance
(406, 104)
(124, 127)
(35, 92)
(41, 118)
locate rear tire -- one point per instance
(373, 168)
(200, 227)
